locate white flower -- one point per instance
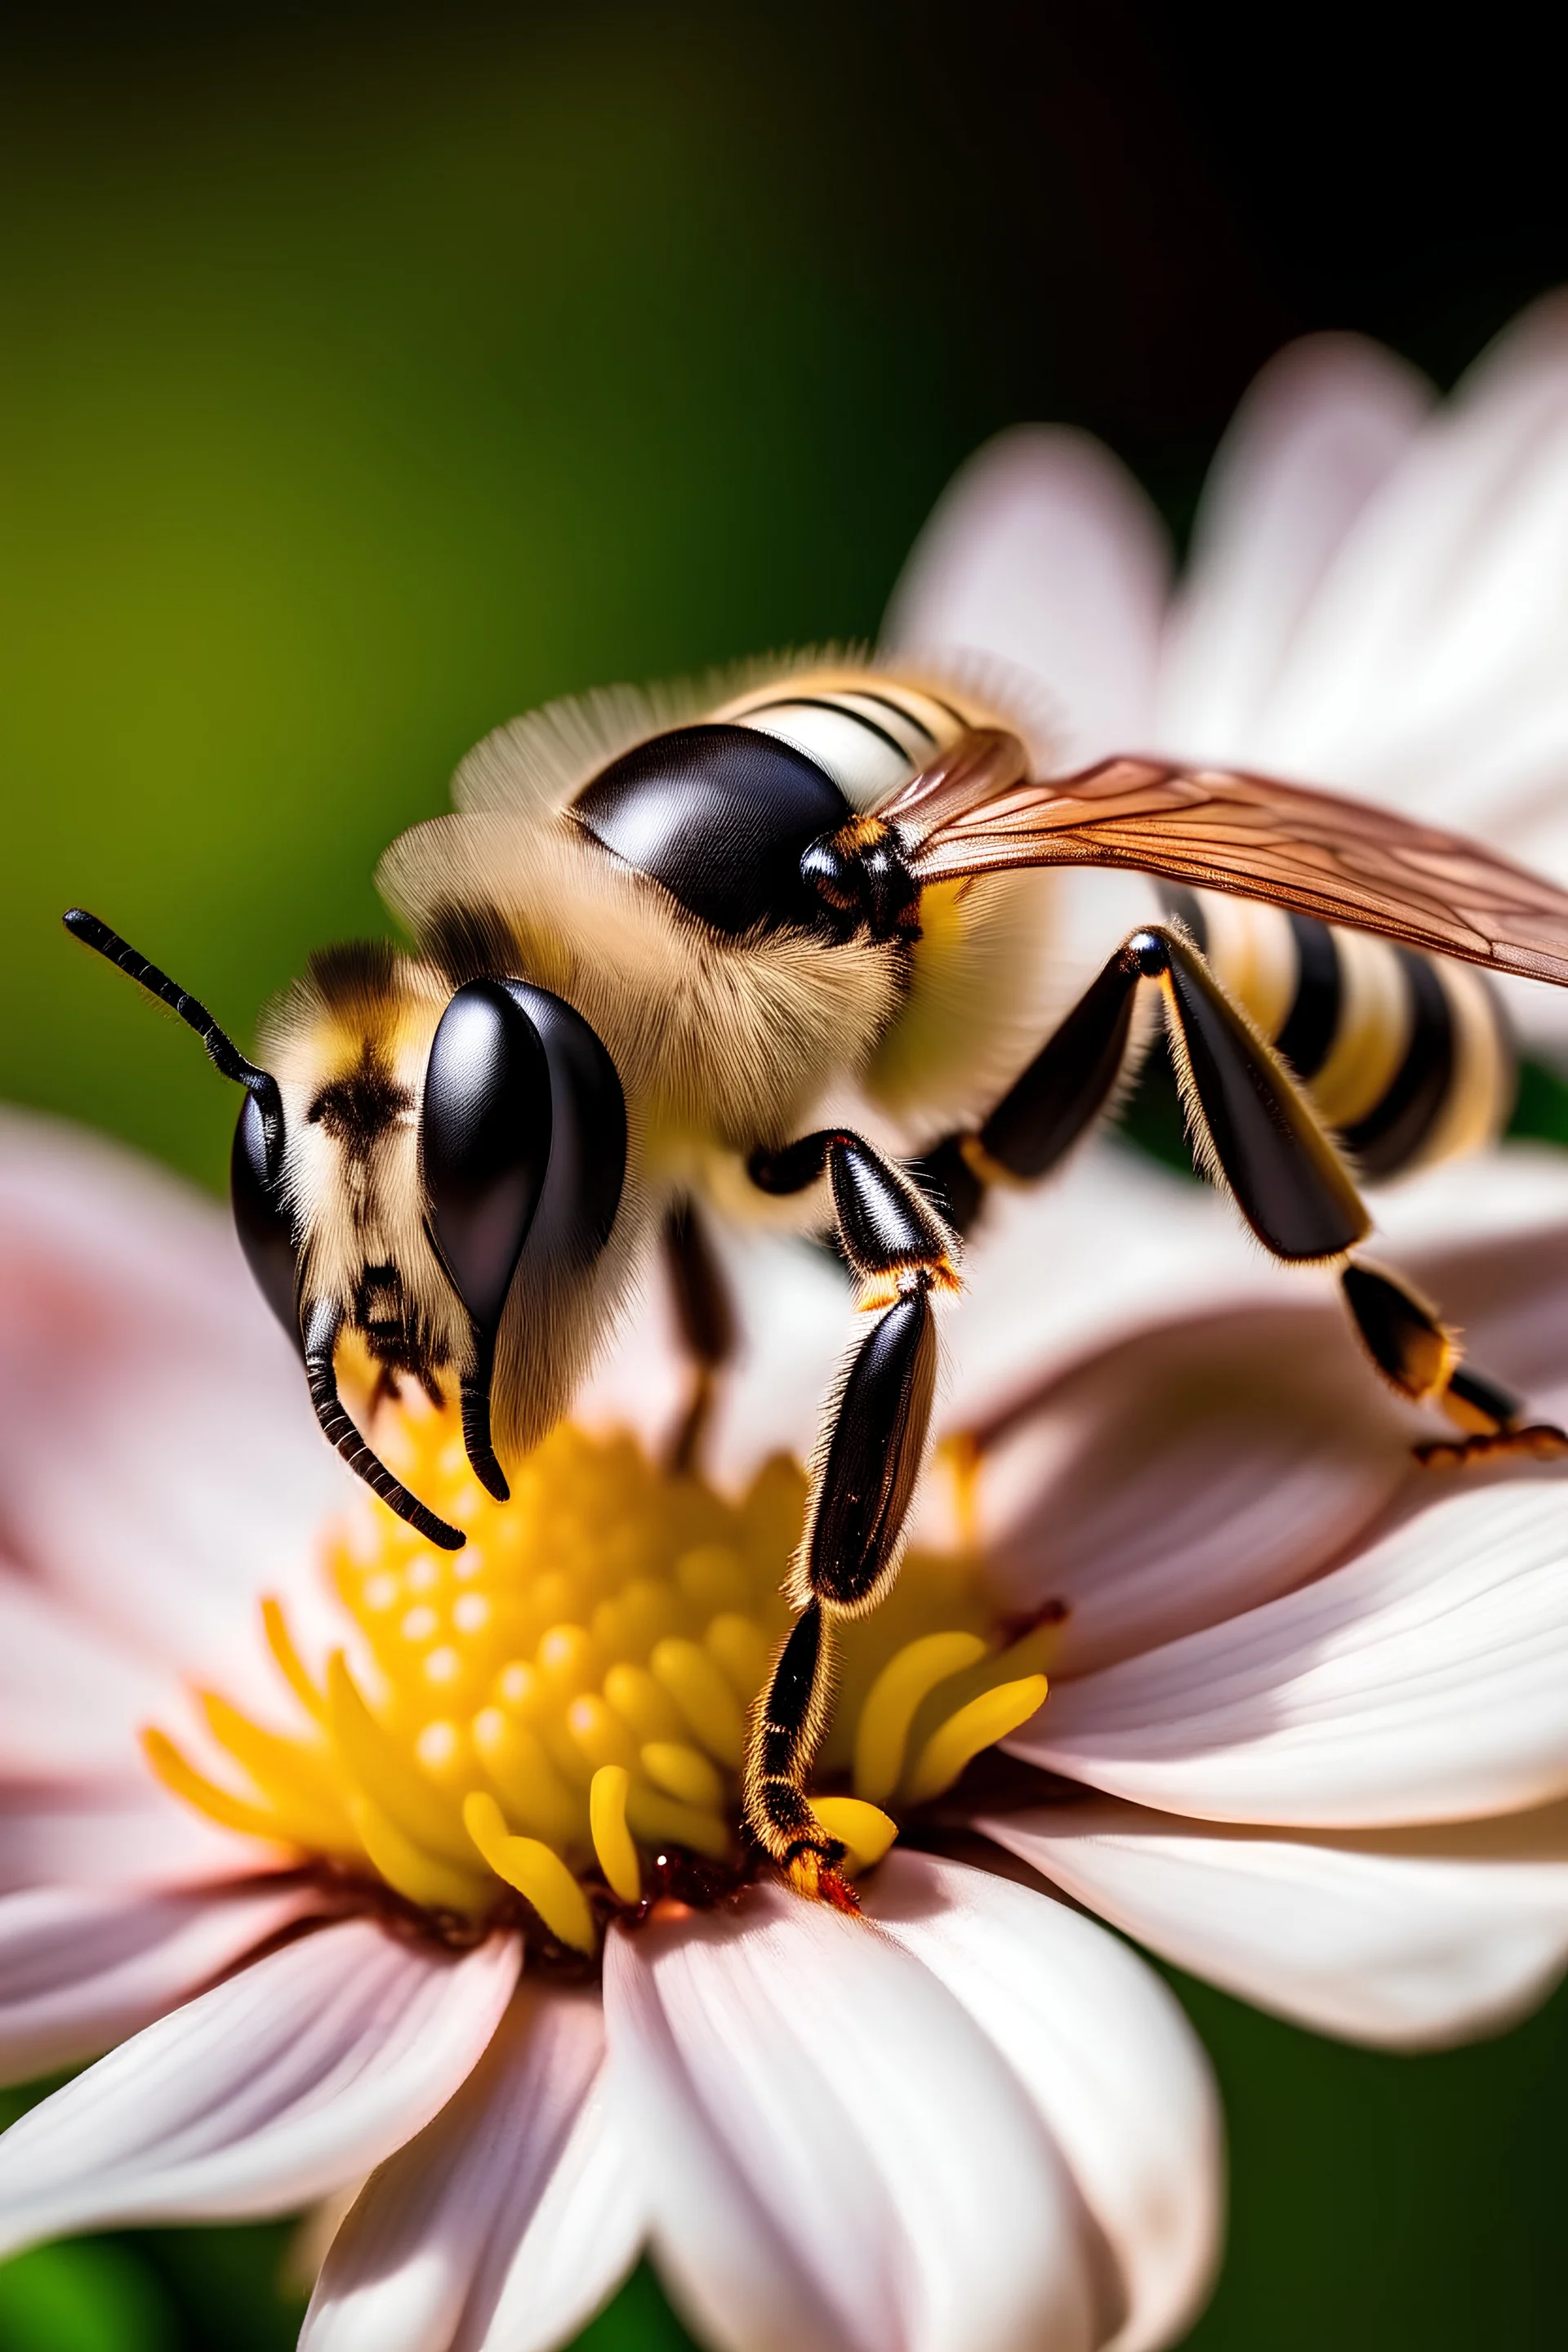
(1304, 1732)
(1377, 599)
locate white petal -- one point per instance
(504, 2224)
(1412, 1938)
(1111, 1244)
(1106, 2055)
(80, 1968)
(1043, 551)
(157, 1451)
(281, 2083)
(71, 1700)
(832, 2151)
(1186, 1473)
(114, 1832)
(1202, 1465)
(1319, 431)
(1442, 617)
(1421, 1682)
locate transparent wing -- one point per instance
(1217, 829)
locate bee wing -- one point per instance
(1217, 829)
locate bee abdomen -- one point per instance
(1404, 1054)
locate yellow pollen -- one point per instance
(556, 1707)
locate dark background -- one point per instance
(368, 374)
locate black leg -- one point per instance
(862, 1479)
(1419, 1356)
(706, 1314)
(1255, 1131)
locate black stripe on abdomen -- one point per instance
(1314, 1015)
(1394, 1129)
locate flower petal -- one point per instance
(133, 1345)
(82, 1968)
(1412, 1938)
(1440, 622)
(1043, 551)
(71, 1700)
(114, 1832)
(1111, 1244)
(1188, 1473)
(1317, 432)
(280, 2084)
(1421, 1682)
(1108, 2057)
(507, 2221)
(832, 2151)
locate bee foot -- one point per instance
(813, 1871)
(1537, 1441)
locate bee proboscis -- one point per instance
(664, 940)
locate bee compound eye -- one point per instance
(265, 1227)
(484, 1140)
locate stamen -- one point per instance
(422, 1877)
(536, 1796)
(883, 1730)
(682, 1771)
(864, 1831)
(536, 1870)
(296, 1782)
(981, 1724)
(566, 1699)
(612, 1839)
(704, 1698)
(281, 1642)
(230, 1812)
(390, 1778)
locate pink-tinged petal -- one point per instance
(282, 2083)
(1421, 1682)
(116, 1832)
(1108, 2057)
(832, 2151)
(71, 1700)
(1412, 1938)
(1087, 1493)
(586, 2232)
(507, 2222)
(158, 1455)
(1191, 1472)
(1043, 551)
(1317, 432)
(81, 1968)
(1111, 1244)
(1441, 619)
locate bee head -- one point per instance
(388, 1174)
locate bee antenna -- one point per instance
(226, 1055)
(320, 1340)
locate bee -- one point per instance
(789, 940)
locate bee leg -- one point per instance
(1255, 1131)
(706, 1316)
(1419, 1356)
(1048, 1106)
(862, 1482)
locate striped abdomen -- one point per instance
(1405, 1055)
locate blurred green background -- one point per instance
(367, 375)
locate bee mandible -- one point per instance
(664, 940)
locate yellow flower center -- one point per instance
(559, 1711)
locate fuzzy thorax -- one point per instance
(551, 1724)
